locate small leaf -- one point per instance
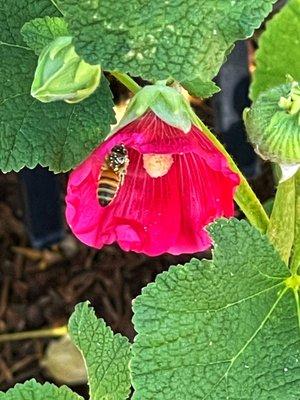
(32, 390)
(198, 88)
(220, 329)
(278, 54)
(161, 39)
(40, 32)
(106, 355)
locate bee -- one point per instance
(112, 174)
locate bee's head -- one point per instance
(118, 157)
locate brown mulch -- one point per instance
(39, 289)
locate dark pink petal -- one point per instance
(154, 215)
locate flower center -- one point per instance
(291, 103)
(157, 165)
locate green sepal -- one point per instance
(166, 102)
(62, 75)
(273, 126)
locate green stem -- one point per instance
(41, 333)
(295, 257)
(244, 195)
(56, 6)
(127, 81)
(281, 229)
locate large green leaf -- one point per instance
(14, 14)
(157, 39)
(32, 390)
(279, 50)
(58, 135)
(106, 355)
(225, 329)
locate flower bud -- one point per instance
(166, 102)
(62, 75)
(273, 124)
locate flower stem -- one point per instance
(295, 257)
(244, 195)
(41, 333)
(127, 81)
(281, 229)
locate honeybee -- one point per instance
(112, 174)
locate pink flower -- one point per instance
(154, 215)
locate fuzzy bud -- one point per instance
(273, 124)
(62, 75)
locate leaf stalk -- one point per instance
(127, 81)
(41, 333)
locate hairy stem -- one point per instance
(54, 2)
(244, 195)
(41, 333)
(127, 81)
(295, 257)
(281, 230)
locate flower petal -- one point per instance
(154, 215)
(138, 218)
(206, 195)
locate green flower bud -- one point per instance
(165, 101)
(62, 75)
(273, 124)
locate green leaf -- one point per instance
(39, 32)
(32, 390)
(158, 39)
(279, 51)
(14, 14)
(198, 88)
(106, 355)
(57, 135)
(225, 329)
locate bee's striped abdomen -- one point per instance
(108, 186)
(112, 174)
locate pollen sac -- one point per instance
(157, 165)
(62, 75)
(273, 124)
